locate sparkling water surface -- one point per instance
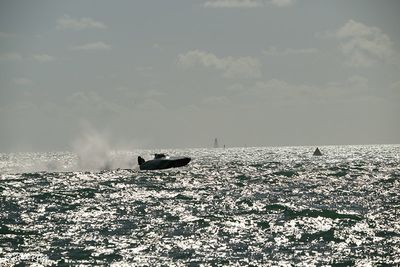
(275, 206)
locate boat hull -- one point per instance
(164, 163)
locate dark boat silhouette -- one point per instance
(161, 162)
(317, 152)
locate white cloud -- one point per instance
(66, 22)
(10, 57)
(216, 101)
(354, 86)
(233, 3)
(279, 87)
(363, 45)
(231, 67)
(18, 57)
(282, 3)
(273, 51)
(276, 91)
(395, 87)
(357, 81)
(91, 103)
(151, 105)
(43, 58)
(247, 3)
(92, 46)
(6, 35)
(144, 68)
(236, 88)
(153, 93)
(23, 81)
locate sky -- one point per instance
(176, 74)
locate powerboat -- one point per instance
(161, 161)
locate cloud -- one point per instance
(282, 3)
(247, 3)
(276, 91)
(66, 23)
(363, 45)
(18, 57)
(43, 58)
(273, 51)
(144, 68)
(395, 87)
(23, 81)
(92, 103)
(151, 105)
(10, 57)
(231, 67)
(216, 101)
(280, 88)
(357, 81)
(153, 93)
(6, 35)
(233, 4)
(92, 46)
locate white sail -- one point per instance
(216, 143)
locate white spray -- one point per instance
(94, 152)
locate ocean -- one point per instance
(271, 206)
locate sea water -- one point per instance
(275, 206)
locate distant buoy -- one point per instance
(317, 152)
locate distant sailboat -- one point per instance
(317, 152)
(216, 143)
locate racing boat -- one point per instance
(161, 161)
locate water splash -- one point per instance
(94, 152)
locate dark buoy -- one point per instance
(317, 152)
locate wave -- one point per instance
(325, 213)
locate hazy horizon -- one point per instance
(177, 74)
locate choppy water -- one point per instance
(239, 206)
